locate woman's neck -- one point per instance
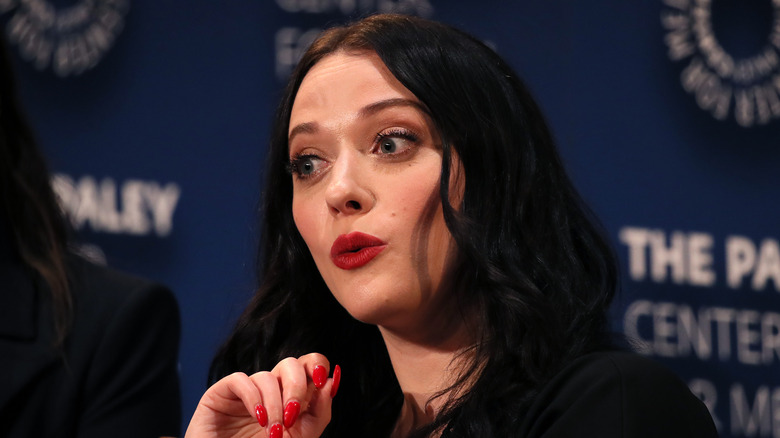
(425, 366)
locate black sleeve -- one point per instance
(618, 395)
(132, 387)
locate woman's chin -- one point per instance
(377, 314)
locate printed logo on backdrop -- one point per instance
(291, 42)
(730, 52)
(69, 40)
(132, 207)
(739, 342)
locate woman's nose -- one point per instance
(348, 188)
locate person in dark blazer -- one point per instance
(85, 351)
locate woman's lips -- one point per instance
(353, 250)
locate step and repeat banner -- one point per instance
(155, 115)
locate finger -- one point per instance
(237, 386)
(335, 381)
(294, 383)
(317, 367)
(228, 401)
(270, 400)
(322, 400)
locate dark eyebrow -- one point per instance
(375, 107)
(303, 128)
(366, 111)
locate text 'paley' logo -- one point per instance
(68, 39)
(730, 50)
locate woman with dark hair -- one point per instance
(85, 351)
(421, 232)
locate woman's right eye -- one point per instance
(304, 166)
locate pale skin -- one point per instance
(228, 408)
(366, 158)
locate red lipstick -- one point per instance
(353, 250)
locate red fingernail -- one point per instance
(336, 380)
(262, 416)
(320, 376)
(291, 413)
(276, 431)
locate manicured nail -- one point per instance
(276, 431)
(336, 380)
(320, 376)
(291, 413)
(262, 416)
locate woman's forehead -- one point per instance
(344, 82)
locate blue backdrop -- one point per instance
(155, 116)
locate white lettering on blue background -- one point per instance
(291, 42)
(757, 417)
(134, 207)
(71, 40)
(668, 329)
(688, 258)
(752, 411)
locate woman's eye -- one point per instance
(305, 165)
(396, 141)
(388, 146)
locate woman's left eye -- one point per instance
(395, 141)
(388, 146)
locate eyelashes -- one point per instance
(395, 133)
(392, 143)
(303, 165)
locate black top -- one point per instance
(117, 373)
(617, 395)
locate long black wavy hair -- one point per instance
(29, 211)
(533, 266)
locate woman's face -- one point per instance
(366, 162)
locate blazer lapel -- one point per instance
(26, 332)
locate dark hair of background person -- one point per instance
(29, 206)
(533, 266)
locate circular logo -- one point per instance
(69, 40)
(731, 55)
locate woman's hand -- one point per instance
(293, 399)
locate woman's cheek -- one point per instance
(302, 219)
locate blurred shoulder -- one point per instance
(106, 297)
(620, 394)
(93, 283)
(625, 367)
